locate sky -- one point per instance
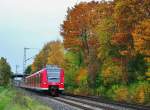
(29, 23)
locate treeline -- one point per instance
(105, 50)
(5, 72)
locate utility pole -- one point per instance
(25, 59)
(17, 69)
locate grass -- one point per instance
(11, 99)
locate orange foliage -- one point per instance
(112, 73)
(81, 75)
(121, 38)
(81, 19)
(141, 36)
(129, 12)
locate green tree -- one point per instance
(28, 70)
(5, 72)
(137, 68)
(72, 64)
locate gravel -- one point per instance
(49, 101)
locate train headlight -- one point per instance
(44, 83)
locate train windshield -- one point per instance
(53, 75)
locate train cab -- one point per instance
(50, 78)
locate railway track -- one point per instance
(85, 104)
(76, 102)
(104, 103)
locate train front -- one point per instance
(55, 79)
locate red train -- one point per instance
(50, 78)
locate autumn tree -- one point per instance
(77, 32)
(107, 44)
(56, 54)
(127, 15)
(39, 61)
(52, 53)
(110, 71)
(141, 36)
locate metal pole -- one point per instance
(25, 59)
(17, 69)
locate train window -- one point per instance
(53, 75)
(27, 81)
(33, 80)
(30, 81)
(38, 78)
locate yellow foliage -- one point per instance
(108, 72)
(33, 67)
(139, 96)
(148, 79)
(112, 73)
(141, 37)
(84, 91)
(147, 59)
(81, 75)
(122, 94)
(56, 54)
(147, 74)
(76, 91)
(142, 94)
(51, 53)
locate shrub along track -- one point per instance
(76, 102)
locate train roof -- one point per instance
(36, 73)
(49, 67)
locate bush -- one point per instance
(118, 93)
(81, 77)
(85, 91)
(140, 92)
(70, 83)
(111, 73)
(137, 68)
(100, 91)
(121, 94)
